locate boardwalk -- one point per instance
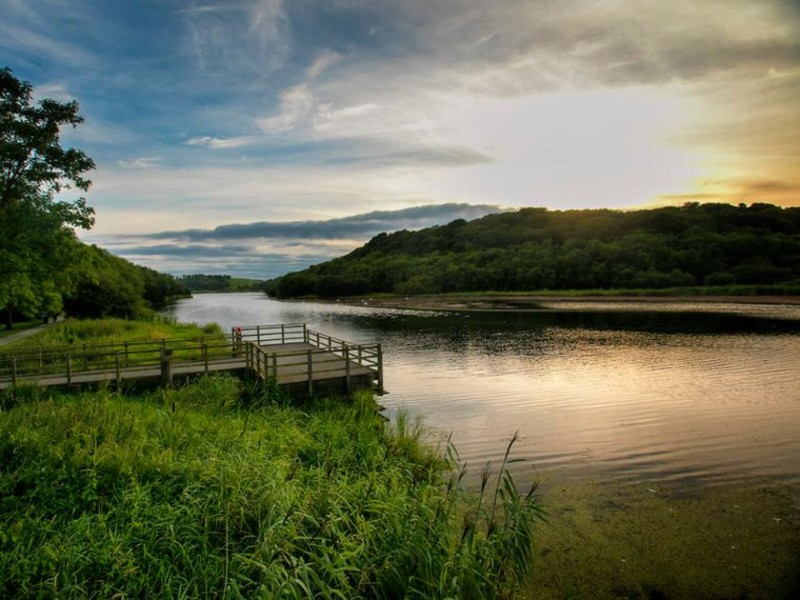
(300, 360)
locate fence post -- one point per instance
(347, 369)
(85, 358)
(310, 375)
(275, 365)
(204, 351)
(283, 333)
(236, 337)
(258, 334)
(69, 369)
(380, 369)
(305, 333)
(166, 366)
(126, 352)
(116, 368)
(13, 371)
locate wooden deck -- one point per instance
(302, 361)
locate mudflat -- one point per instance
(522, 302)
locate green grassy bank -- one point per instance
(217, 489)
(101, 331)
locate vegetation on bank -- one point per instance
(109, 330)
(219, 489)
(220, 283)
(695, 248)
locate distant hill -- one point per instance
(220, 283)
(539, 249)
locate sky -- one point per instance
(256, 137)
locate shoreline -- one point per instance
(522, 303)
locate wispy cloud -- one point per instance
(268, 249)
(219, 143)
(144, 162)
(356, 227)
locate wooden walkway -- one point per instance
(302, 361)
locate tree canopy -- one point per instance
(44, 268)
(539, 249)
(37, 240)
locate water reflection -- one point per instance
(644, 394)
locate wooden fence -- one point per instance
(290, 354)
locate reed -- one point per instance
(220, 489)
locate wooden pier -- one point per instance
(300, 360)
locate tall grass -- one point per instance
(99, 331)
(216, 489)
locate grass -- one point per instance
(219, 489)
(101, 331)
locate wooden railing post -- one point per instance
(380, 368)
(13, 371)
(347, 369)
(117, 369)
(69, 369)
(166, 366)
(204, 352)
(310, 375)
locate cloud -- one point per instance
(346, 228)
(216, 143)
(266, 250)
(296, 106)
(321, 63)
(186, 250)
(738, 190)
(236, 39)
(145, 162)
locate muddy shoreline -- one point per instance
(519, 302)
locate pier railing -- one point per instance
(19, 364)
(290, 353)
(268, 335)
(330, 356)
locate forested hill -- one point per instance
(539, 249)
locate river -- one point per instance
(686, 393)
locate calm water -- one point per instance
(684, 392)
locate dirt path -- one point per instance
(20, 335)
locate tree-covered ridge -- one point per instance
(537, 249)
(109, 286)
(219, 283)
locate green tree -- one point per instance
(36, 223)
